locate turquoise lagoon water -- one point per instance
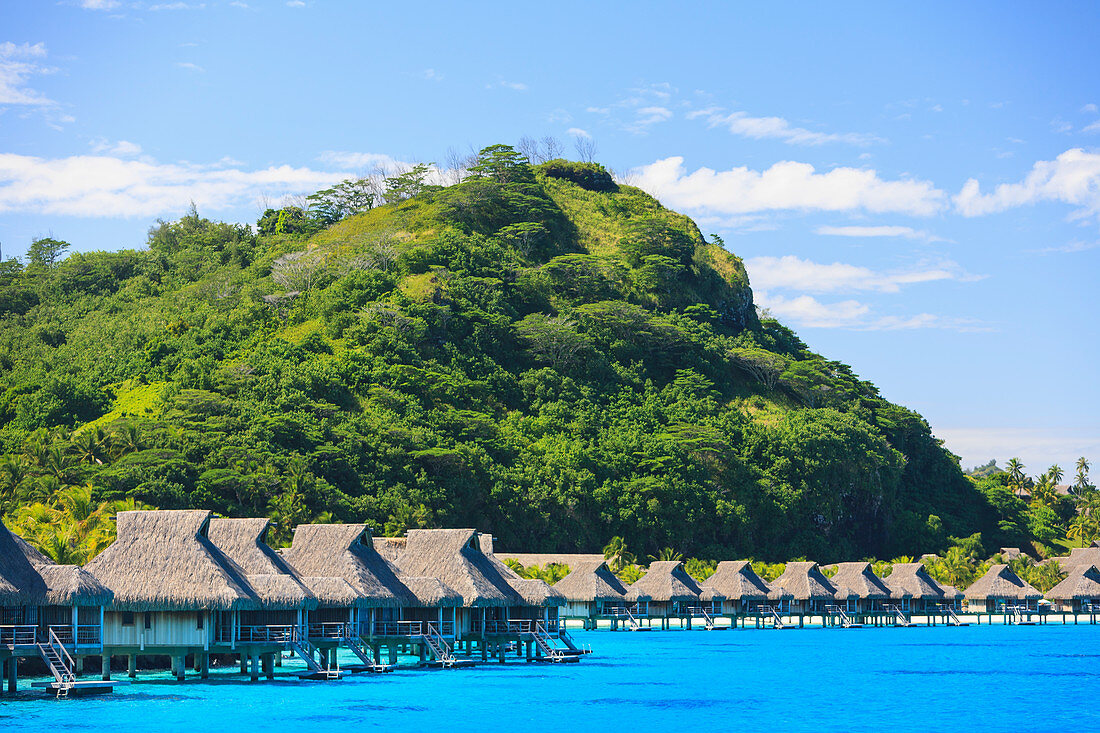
(916, 679)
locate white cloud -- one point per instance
(760, 128)
(1092, 127)
(295, 4)
(106, 186)
(1067, 248)
(99, 4)
(19, 62)
(178, 6)
(189, 66)
(805, 311)
(795, 273)
(786, 185)
(360, 161)
(1072, 178)
(646, 117)
(877, 231)
(577, 132)
(1090, 108)
(122, 148)
(514, 85)
(431, 75)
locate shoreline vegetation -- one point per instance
(513, 341)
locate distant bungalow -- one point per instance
(592, 592)
(46, 610)
(860, 593)
(915, 591)
(1079, 592)
(389, 609)
(803, 590)
(670, 592)
(498, 607)
(999, 591)
(1080, 556)
(740, 587)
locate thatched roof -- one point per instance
(1080, 556)
(431, 592)
(331, 592)
(455, 557)
(346, 551)
(591, 581)
(737, 581)
(163, 560)
(269, 576)
(1000, 582)
(69, 585)
(666, 580)
(858, 580)
(802, 581)
(1082, 583)
(911, 580)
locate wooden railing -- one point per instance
(329, 630)
(86, 634)
(520, 626)
(405, 628)
(19, 635)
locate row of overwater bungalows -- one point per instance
(191, 588)
(854, 594)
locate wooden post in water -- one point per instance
(13, 675)
(105, 665)
(180, 668)
(204, 666)
(131, 666)
(254, 666)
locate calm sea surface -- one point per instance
(916, 679)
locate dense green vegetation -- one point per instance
(537, 352)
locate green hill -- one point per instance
(536, 352)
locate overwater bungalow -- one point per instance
(859, 591)
(913, 590)
(740, 586)
(49, 611)
(281, 620)
(672, 593)
(1001, 590)
(802, 590)
(497, 606)
(592, 592)
(174, 591)
(1079, 592)
(389, 609)
(1080, 556)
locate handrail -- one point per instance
(65, 677)
(19, 635)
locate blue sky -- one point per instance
(916, 190)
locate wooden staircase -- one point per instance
(545, 644)
(439, 647)
(771, 612)
(900, 618)
(60, 664)
(308, 654)
(842, 616)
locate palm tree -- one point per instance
(1056, 474)
(957, 568)
(127, 439)
(1015, 474)
(91, 445)
(617, 555)
(631, 574)
(1044, 489)
(666, 554)
(1081, 482)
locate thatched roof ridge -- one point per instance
(858, 580)
(911, 580)
(163, 560)
(664, 581)
(1080, 556)
(1001, 582)
(388, 547)
(533, 591)
(20, 582)
(802, 581)
(331, 592)
(591, 581)
(270, 577)
(69, 585)
(346, 551)
(737, 581)
(1082, 583)
(455, 557)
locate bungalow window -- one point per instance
(128, 618)
(148, 620)
(199, 618)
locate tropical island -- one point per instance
(532, 349)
